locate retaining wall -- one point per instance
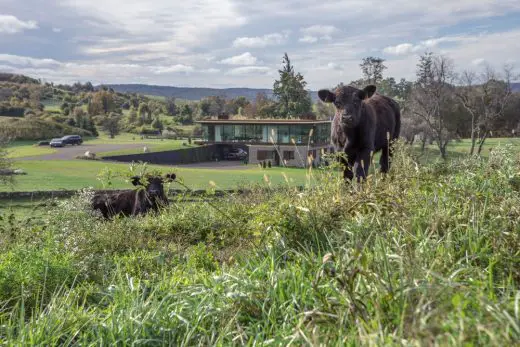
(174, 157)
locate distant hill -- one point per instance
(516, 87)
(16, 78)
(194, 93)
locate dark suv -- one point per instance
(72, 140)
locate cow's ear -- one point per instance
(369, 90)
(326, 95)
(136, 180)
(171, 177)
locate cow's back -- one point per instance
(388, 119)
(111, 204)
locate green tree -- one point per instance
(293, 99)
(5, 162)
(372, 68)
(157, 124)
(144, 113)
(112, 124)
(132, 116)
(186, 116)
(102, 103)
(171, 107)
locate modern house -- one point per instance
(286, 142)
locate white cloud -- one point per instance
(319, 30)
(28, 61)
(308, 39)
(56, 30)
(261, 41)
(315, 33)
(242, 59)
(429, 44)
(173, 69)
(247, 70)
(12, 25)
(401, 49)
(163, 21)
(478, 62)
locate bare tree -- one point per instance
(485, 97)
(432, 96)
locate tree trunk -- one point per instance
(481, 142)
(423, 144)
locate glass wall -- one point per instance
(258, 133)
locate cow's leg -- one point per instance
(362, 163)
(384, 161)
(347, 160)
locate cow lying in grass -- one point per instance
(364, 124)
(149, 196)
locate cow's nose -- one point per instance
(346, 118)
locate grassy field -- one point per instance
(77, 174)
(425, 257)
(20, 149)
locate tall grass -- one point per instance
(428, 255)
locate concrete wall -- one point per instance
(178, 156)
(300, 154)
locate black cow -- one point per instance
(364, 123)
(149, 196)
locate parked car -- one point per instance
(236, 153)
(57, 143)
(72, 140)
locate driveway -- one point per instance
(71, 152)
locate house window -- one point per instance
(264, 155)
(288, 155)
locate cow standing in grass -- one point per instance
(149, 196)
(364, 123)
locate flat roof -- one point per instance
(262, 121)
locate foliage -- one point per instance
(112, 124)
(157, 124)
(289, 89)
(171, 107)
(5, 161)
(102, 103)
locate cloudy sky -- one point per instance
(240, 43)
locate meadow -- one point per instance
(425, 256)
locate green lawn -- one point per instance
(71, 175)
(29, 151)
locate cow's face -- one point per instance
(154, 185)
(348, 103)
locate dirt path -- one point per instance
(71, 152)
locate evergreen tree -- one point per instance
(293, 99)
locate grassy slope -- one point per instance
(426, 257)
